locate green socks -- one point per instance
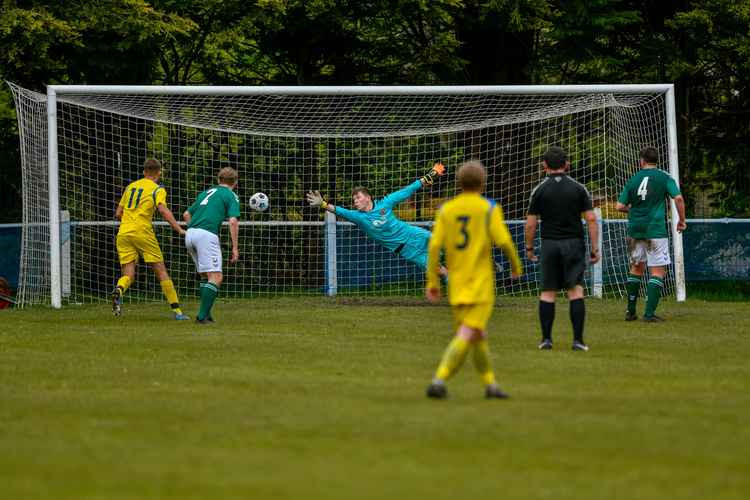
(209, 291)
(653, 293)
(633, 287)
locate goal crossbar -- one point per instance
(351, 90)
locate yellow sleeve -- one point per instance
(122, 199)
(160, 196)
(502, 239)
(434, 248)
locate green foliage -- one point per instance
(715, 66)
(702, 45)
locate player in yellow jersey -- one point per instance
(465, 229)
(136, 235)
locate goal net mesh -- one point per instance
(285, 145)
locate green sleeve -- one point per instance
(625, 195)
(233, 208)
(194, 206)
(672, 188)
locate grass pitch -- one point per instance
(312, 398)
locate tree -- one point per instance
(717, 67)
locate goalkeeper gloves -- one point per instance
(315, 199)
(436, 171)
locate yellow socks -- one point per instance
(482, 362)
(453, 358)
(124, 283)
(167, 287)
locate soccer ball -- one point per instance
(259, 202)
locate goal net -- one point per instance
(90, 142)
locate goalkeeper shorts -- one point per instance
(203, 246)
(472, 315)
(131, 245)
(654, 252)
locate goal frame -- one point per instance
(54, 91)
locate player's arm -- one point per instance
(679, 201)
(623, 202)
(160, 200)
(315, 199)
(120, 207)
(532, 222)
(234, 233)
(436, 171)
(187, 215)
(529, 232)
(674, 192)
(233, 212)
(587, 209)
(593, 227)
(405, 193)
(502, 239)
(166, 213)
(434, 248)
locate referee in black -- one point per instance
(559, 202)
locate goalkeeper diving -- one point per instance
(377, 220)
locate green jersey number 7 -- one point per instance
(209, 193)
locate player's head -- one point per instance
(361, 199)
(152, 169)
(228, 177)
(555, 159)
(649, 156)
(471, 176)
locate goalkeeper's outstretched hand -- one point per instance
(437, 170)
(314, 198)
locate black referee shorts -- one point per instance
(563, 263)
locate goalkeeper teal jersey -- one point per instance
(646, 193)
(212, 207)
(380, 224)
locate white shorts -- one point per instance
(203, 246)
(654, 252)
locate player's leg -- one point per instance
(637, 252)
(205, 247)
(127, 278)
(148, 246)
(209, 292)
(574, 263)
(192, 241)
(128, 256)
(577, 317)
(477, 319)
(168, 289)
(484, 367)
(454, 355)
(657, 260)
(552, 281)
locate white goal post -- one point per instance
(82, 144)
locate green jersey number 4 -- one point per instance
(643, 188)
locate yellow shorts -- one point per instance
(472, 315)
(131, 245)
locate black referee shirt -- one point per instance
(559, 202)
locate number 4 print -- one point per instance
(643, 188)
